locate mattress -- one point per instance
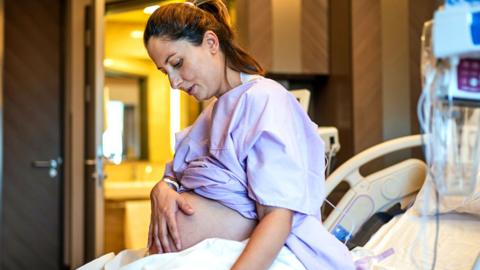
(412, 239)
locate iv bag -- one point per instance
(452, 127)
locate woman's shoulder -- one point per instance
(266, 86)
(266, 90)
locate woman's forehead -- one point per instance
(162, 47)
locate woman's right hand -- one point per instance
(165, 203)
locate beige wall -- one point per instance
(286, 36)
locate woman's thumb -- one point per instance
(185, 206)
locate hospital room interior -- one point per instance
(89, 124)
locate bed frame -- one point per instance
(377, 191)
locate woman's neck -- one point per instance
(232, 80)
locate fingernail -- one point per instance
(178, 246)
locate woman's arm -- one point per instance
(267, 239)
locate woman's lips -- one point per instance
(191, 90)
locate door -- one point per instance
(94, 129)
(31, 199)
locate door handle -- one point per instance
(99, 177)
(52, 166)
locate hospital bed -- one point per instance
(409, 238)
(405, 242)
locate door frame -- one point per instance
(2, 43)
(94, 92)
(74, 141)
(77, 242)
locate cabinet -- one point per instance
(285, 36)
(126, 224)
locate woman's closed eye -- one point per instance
(178, 63)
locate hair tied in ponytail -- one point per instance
(175, 21)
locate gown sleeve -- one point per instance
(169, 171)
(284, 156)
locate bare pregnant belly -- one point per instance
(211, 219)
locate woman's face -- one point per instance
(197, 70)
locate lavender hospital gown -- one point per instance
(256, 144)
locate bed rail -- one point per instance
(377, 191)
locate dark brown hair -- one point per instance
(190, 21)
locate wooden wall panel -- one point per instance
(282, 44)
(395, 69)
(367, 73)
(420, 12)
(332, 103)
(314, 36)
(260, 31)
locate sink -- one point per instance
(128, 190)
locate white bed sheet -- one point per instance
(458, 247)
(413, 240)
(213, 253)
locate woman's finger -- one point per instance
(150, 234)
(172, 228)
(164, 237)
(156, 239)
(185, 206)
(153, 250)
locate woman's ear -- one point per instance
(210, 40)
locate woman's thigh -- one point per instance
(211, 219)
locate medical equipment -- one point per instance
(450, 102)
(329, 135)
(448, 109)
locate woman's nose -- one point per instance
(175, 81)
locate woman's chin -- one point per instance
(202, 97)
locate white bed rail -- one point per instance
(377, 191)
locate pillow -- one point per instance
(426, 201)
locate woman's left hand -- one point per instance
(163, 227)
